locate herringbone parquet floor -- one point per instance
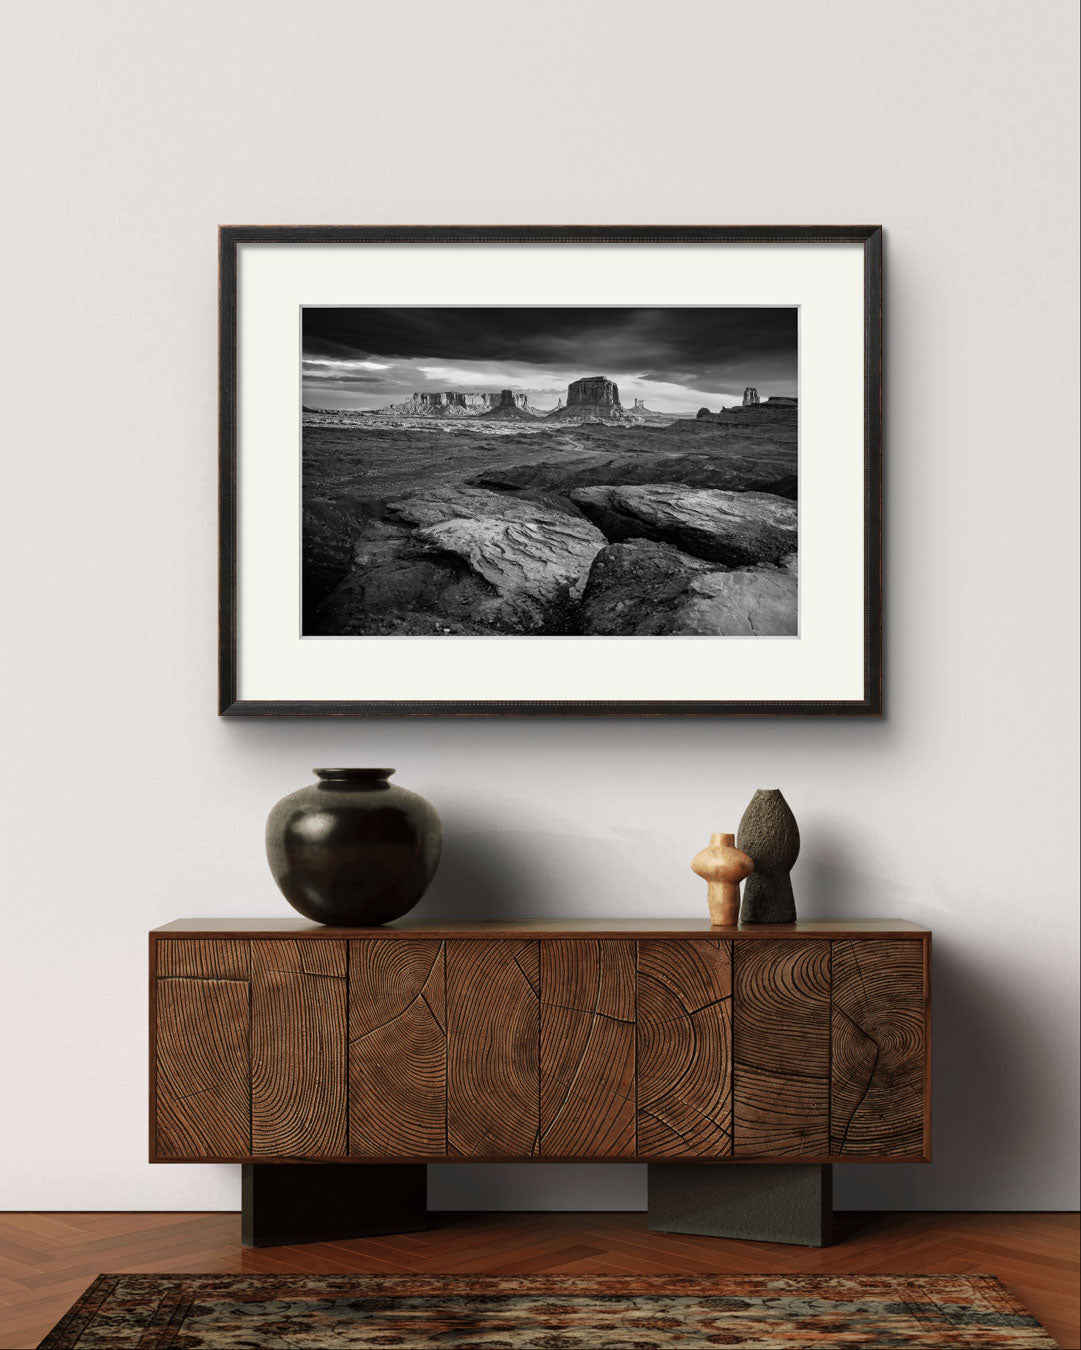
(46, 1260)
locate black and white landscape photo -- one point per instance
(550, 471)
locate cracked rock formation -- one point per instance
(644, 588)
(480, 561)
(772, 472)
(393, 587)
(749, 396)
(592, 399)
(328, 533)
(532, 555)
(595, 390)
(510, 408)
(734, 528)
(453, 403)
(772, 415)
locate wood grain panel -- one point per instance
(219, 959)
(781, 1048)
(493, 1031)
(587, 1049)
(397, 1049)
(684, 1048)
(877, 1025)
(298, 1048)
(201, 1030)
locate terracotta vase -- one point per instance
(353, 849)
(769, 834)
(724, 867)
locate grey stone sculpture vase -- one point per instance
(769, 835)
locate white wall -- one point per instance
(136, 128)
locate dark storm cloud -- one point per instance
(314, 345)
(345, 378)
(675, 360)
(687, 346)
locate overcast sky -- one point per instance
(676, 360)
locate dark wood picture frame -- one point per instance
(232, 237)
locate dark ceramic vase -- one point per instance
(768, 833)
(353, 850)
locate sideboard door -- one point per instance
(493, 1035)
(201, 1037)
(880, 1001)
(298, 1049)
(397, 1048)
(587, 1048)
(684, 1105)
(781, 1047)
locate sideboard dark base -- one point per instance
(289, 1203)
(764, 1202)
(292, 1203)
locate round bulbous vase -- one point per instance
(353, 850)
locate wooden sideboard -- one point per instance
(278, 1041)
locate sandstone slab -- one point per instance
(644, 588)
(770, 472)
(733, 528)
(390, 579)
(464, 560)
(531, 554)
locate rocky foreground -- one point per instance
(686, 529)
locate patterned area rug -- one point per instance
(422, 1312)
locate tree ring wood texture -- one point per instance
(745, 1048)
(878, 1039)
(685, 1049)
(493, 1049)
(201, 1055)
(298, 1034)
(397, 1049)
(781, 1049)
(587, 1049)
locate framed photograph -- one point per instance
(540, 470)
